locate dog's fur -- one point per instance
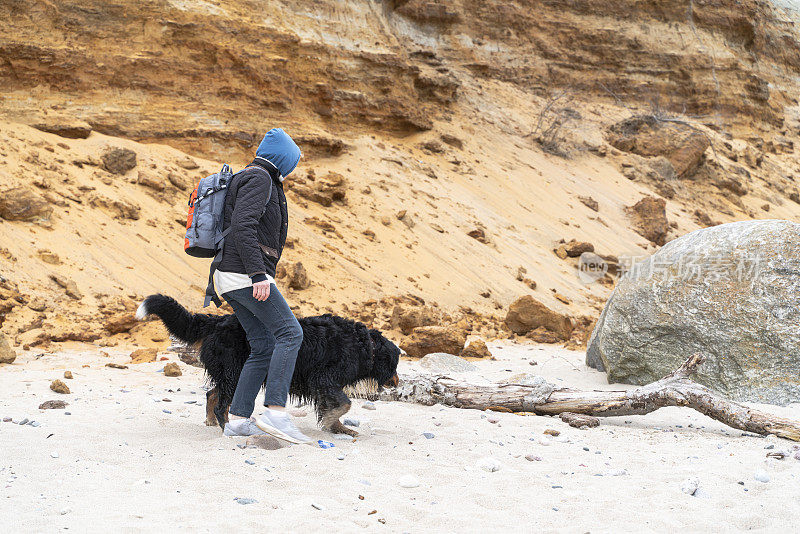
(335, 353)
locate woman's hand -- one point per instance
(261, 290)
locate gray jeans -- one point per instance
(275, 337)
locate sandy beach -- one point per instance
(134, 455)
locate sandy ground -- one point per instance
(125, 459)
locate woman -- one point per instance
(256, 213)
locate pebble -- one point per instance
(493, 419)
(544, 441)
(488, 464)
(428, 435)
(533, 458)
(770, 446)
(690, 485)
(351, 421)
(616, 472)
(761, 476)
(408, 481)
(65, 511)
(24, 421)
(166, 411)
(369, 405)
(340, 456)
(249, 462)
(6, 419)
(53, 455)
(797, 455)
(35, 423)
(245, 500)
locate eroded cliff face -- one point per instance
(458, 154)
(210, 76)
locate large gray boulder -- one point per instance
(730, 292)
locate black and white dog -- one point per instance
(336, 353)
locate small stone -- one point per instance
(6, 419)
(544, 441)
(488, 464)
(368, 405)
(166, 411)
(59, 387)
(65, 511)
(551, 432)
(250, 462)
(761, 476)
(116, 366)
(53, 405)
(533, 458)
(351, 421)
(493, 419)
(144, 355)
(172, 369)
(53, 455)
(340, 456)
(245, 500)
(317, 506)
(690, 485)
(408, 481)
(770, 446)
(35, 424)
(616, 472)
(428, 435)
(68, 375)
(24, 421)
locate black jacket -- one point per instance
(256, 213)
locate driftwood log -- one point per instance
(542, 398)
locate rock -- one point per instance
(577, 420)
(53, 405)
(7, 354)
(476, 349)
(488, 464)
(428, 435)
(351, 421)
(245, 500)
(408, 481)
(761, 476)
(266, 442)
(24, 204)
(551, 432)
(119, 208)
(452, 140)
(147, 356)
(121, 322)
(116, 366)
(296, 275)
(148, 179)
(690, 485)
(177, 180)
(119, 160)
(590, 203)
(325, 190)
(432, 146)
(48, 257)
(37, 304)
(68, 127)
(172, 369)
(187, 163)
(68, 375)
(526, 314)
(59, 387)
(650, 219)
(730, 292)
(368, 405)
(441, 362)
(573, 249)
(429, 339)
(681, 144)
(70, 287)
(543, 335)
(479, 235)
(407, 318)
(533, 458)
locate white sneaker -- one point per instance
(242, 427)
(280, 425)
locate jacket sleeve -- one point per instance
(251, 198)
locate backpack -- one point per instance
(204, 236)
(204, 221)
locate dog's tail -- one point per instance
(180, 322)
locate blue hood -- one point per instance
(280, 150)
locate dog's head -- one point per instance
(387, 355)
